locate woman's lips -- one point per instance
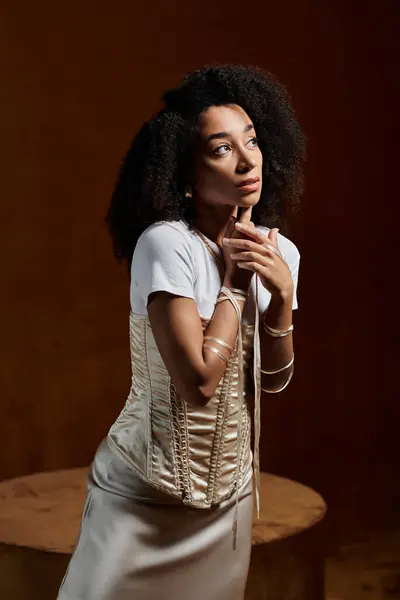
(249, 185)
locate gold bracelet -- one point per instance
(238, 291)
(281, 388)
(234, 301)
(220, 343)
(217, 352)
(278, 370)
(239, 298)
(277, 333)
(235, 291)
(222, 299)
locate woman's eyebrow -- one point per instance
(223, 134)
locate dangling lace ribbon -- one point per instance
(257, 391)
(257, 398)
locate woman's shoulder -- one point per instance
(288, 248)
(166, 244)
(162, 261)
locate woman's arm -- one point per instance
(178, 331)
(260, 254)
(277, 352)
(177, 328)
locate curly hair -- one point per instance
(159, 163)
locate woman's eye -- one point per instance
(221, 150)
(253, 142)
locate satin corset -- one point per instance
(189, 452)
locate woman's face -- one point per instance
(228, 169)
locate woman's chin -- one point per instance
(244, 201)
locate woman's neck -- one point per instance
(213, 220)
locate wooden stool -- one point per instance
(287, 560)
(40, 516)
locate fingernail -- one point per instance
(239, 225)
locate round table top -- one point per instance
(43, 510)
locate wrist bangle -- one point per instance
(277, 333)
(226, 298)
(234, 301)
(278, 370)
(217, 352)
(239, 291)
(281, 388)
(234, 291)
(238, 297)
(220, 343)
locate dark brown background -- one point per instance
(77, 79)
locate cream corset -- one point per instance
(199, 454)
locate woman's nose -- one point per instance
(246, 163)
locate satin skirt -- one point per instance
(137, 543)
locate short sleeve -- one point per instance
(294, 269)
(292, 256)
(162, 262)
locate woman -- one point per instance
(169, 507)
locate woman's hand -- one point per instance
(236, 277)
(255, 252)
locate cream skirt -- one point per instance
(137, 543)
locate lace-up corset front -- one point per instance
(187, 451)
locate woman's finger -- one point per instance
(273, 237)
(275, 250)
(254, 267)
(245, 217)
(252, 257)
(251, 231)
(246, 244)
(230, 228)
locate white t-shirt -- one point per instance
(170, 257)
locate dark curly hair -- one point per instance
(158, 166)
